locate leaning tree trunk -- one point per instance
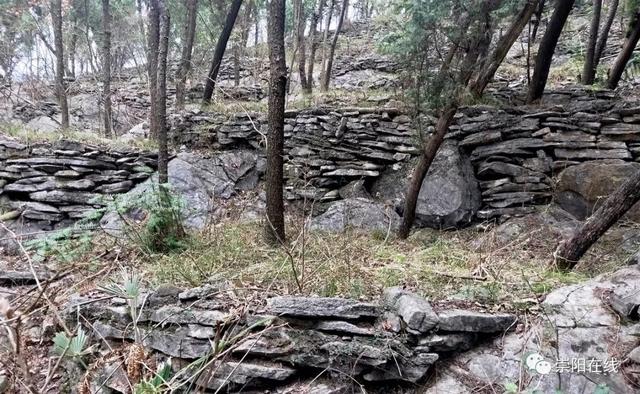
(547, 48)
(327, 71)
(314, 42)
(163, 49)
(221, 46)
(617, 204)
(61, 89)
(325, 37)
(106, 66)
(502, 48)
(421, 169)
(589, 70)
(274, 228)
(633, 35)
(187, 49)
(604, 35)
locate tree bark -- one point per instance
(221, 46)
(547, 49)
(604, 35)
(106, 66)
(314, 42)
(274, 228)
(61, 88)
(589, 70)
(153, 42)
(327, 72)
(617, 204)
(163, 49)
(502, 48)
(630, 42)
(73, 41)
(300, 44)
(187, 49)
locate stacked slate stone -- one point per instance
(324, 149)
(517, 151)
(65, 180)
(293, 341)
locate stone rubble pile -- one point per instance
(65, 180)
(291, 340)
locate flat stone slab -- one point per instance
(415, 311)
(321, 307)
(470, 321)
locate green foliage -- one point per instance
(161, 231)
(73, 348)
(157, 383)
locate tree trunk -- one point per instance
(300, 44)
(419, 173)
(73, 42)
(163, 49)
(187, 48)
(589, 70)
(274, 228)
(153, 32)
(604, 35)
(615, 74)
(106, 66)
(327, 72)
(221, 46)
(617, 204)
(502, 48)
(61, 89)
(314, 42)
(547, 48)
(325, 37)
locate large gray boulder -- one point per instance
(449, 196)
(358, 213)
(581, 189)
(199, 183)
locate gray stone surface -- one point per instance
(357, 213)
(415, 311)
(320, 307)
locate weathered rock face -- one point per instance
(65, 180)
(357, 213)
(596, 320)
(199, 183)
(293, 340)
(581, 189)
(449, 196)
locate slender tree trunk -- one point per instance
(300, 44)
(106, 66)
(221, 46)
(327, 72)
(153, 42)
(61, 89)
(633, 35)
(325, 38)
(547, 49)
(502, 48)
(617, 204)
(73, 41)
(163, 49)
(589, 70)
(604, 35)
(274, 230)
(314, 42)
(187, 48)
(143, 33)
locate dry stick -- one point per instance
(35, 277)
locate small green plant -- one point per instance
(73, 348)
(161, 231)
(129, 289)
(157, 383)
